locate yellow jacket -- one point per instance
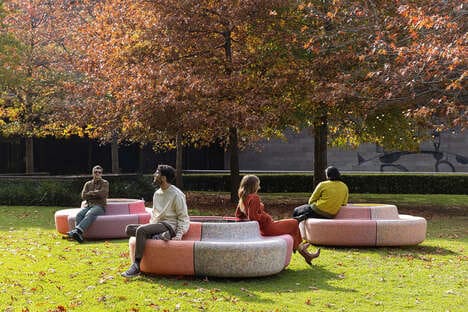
(329, 196)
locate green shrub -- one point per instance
(65, 191)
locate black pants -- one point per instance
(144, 231)
(306, 211)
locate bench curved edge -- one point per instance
(259, 258)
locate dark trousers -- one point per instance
(144, 231)
(307, 211)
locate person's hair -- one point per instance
(97, 167)
(333, 174)
(167, 171)
(248, 185)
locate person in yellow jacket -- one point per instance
(327, 198)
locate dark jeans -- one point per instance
(309, 212)
(144, 231)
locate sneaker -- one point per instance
(133, 271)
(77, 236)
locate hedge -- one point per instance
(65, 190)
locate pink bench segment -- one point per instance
(366, 225)
(119, 213)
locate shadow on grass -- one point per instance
(292, 281)
(403, 251)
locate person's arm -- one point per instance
(345, 201)
(85, 194)
(183, 220)
(316, 194)
(102, 193)
(253, 208)
(239, 214)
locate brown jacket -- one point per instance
(95, 192)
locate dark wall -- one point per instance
(76, 155)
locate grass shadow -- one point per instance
(294, 281)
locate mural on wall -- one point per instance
(388, 159)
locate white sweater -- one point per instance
(170, 206)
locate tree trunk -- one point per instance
(29, 155)
(90, 155)
(320, 149)
(141, 158)
(115, 154)
(234, 163)
(179, 159)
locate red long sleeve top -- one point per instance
(254, 211)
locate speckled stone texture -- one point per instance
(119, 213)
(407, 230)
(230, 231)
(238, 250)
(366, 225)
(240, 258)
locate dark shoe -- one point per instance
(133, 271)
(308, 257)
(77, 236)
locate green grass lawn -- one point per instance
(42, 272)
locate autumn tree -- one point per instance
(179, 71)
(215, 45)
(33, 91)
(350, 73)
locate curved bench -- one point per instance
(119, 213)
(366, 225)
(221, 249)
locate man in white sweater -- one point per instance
(169, 218)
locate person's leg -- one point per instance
(89, 218)
(285, 226)
(291, 227)
(142, 233)
(81, 215)
(76, 233)
(130, 229)
(306, 211)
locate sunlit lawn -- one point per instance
(42, 272)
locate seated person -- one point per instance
(251, 208)
(327, 198)
(95, 192)
(169, 218)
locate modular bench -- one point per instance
(365, 225)
(214, 246)
(119, 213)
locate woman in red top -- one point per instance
(250, 207)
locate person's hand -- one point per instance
(166, 236)
(177, 238)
